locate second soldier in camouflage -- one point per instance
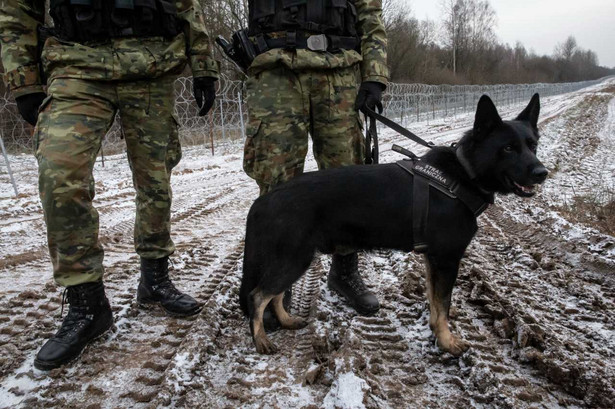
(316, 63)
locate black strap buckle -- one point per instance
(317, 42)
(261, 44)
(291, 39)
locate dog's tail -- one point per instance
(251, 271)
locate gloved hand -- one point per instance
(370, 95)
(28, 105)
(204, 93)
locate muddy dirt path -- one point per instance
(535, 299)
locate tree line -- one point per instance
(462, 48)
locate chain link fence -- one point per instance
(420, 102)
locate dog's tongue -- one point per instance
(525, 189)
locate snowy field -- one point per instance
(535, 296)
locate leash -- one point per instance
(372, 133)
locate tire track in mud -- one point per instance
(557, 315)
(230, 376)
(137, 334)
(118, 236)
(394, 350)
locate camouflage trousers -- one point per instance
(72, 122)
(284, 106)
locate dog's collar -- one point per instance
(465, 164)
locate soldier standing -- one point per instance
(311, 58)
(104, 57)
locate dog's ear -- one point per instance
(487, 117)
(531, 111)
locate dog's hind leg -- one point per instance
(258, 303)
(287, 321)
(441, 277)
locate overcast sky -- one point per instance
(541, 24)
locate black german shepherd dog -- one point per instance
(370, 206)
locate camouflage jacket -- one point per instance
(373, 49)
(117, 59)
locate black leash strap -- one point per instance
(371, 132)
(398, 128)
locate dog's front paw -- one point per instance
(264, 346)
(453, 345)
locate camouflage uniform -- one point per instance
(87, 85)
(293, 92)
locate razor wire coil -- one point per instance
(226, 121)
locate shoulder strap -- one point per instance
(426, 176)
(420, 212)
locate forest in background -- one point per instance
(461, 47)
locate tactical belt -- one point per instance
(299, 40)
(426, 176)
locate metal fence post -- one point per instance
(222, 124)
(8, 165)
(243, 130)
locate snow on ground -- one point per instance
(534, 297)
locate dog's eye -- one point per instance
(509, 148)
(533, 147)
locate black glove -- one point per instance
(204, 87)
(28, 105)
(370, 95)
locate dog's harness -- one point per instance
(426, 176)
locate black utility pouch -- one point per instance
(79, 20)
(168, 18)
(43, 33)
(122, 18)
(337, 12)
(146, 18)
(350, 19)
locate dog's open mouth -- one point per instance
(519, 189)
(524, 191)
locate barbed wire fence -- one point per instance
(225, 124)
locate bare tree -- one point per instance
(566, 50)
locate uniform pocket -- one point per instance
(174, 148)
(42, 123)
(250, 147)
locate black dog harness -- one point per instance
(426, 176)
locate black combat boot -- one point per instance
(344, 279)
(156, 288)
(89, 316)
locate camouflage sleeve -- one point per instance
(373, 41)
(199, 48)
(18, 38)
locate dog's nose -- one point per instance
(539, 174)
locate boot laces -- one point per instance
(351, 275)
(356, 283)
(76, 320)
(161, 281)
(167, 287)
